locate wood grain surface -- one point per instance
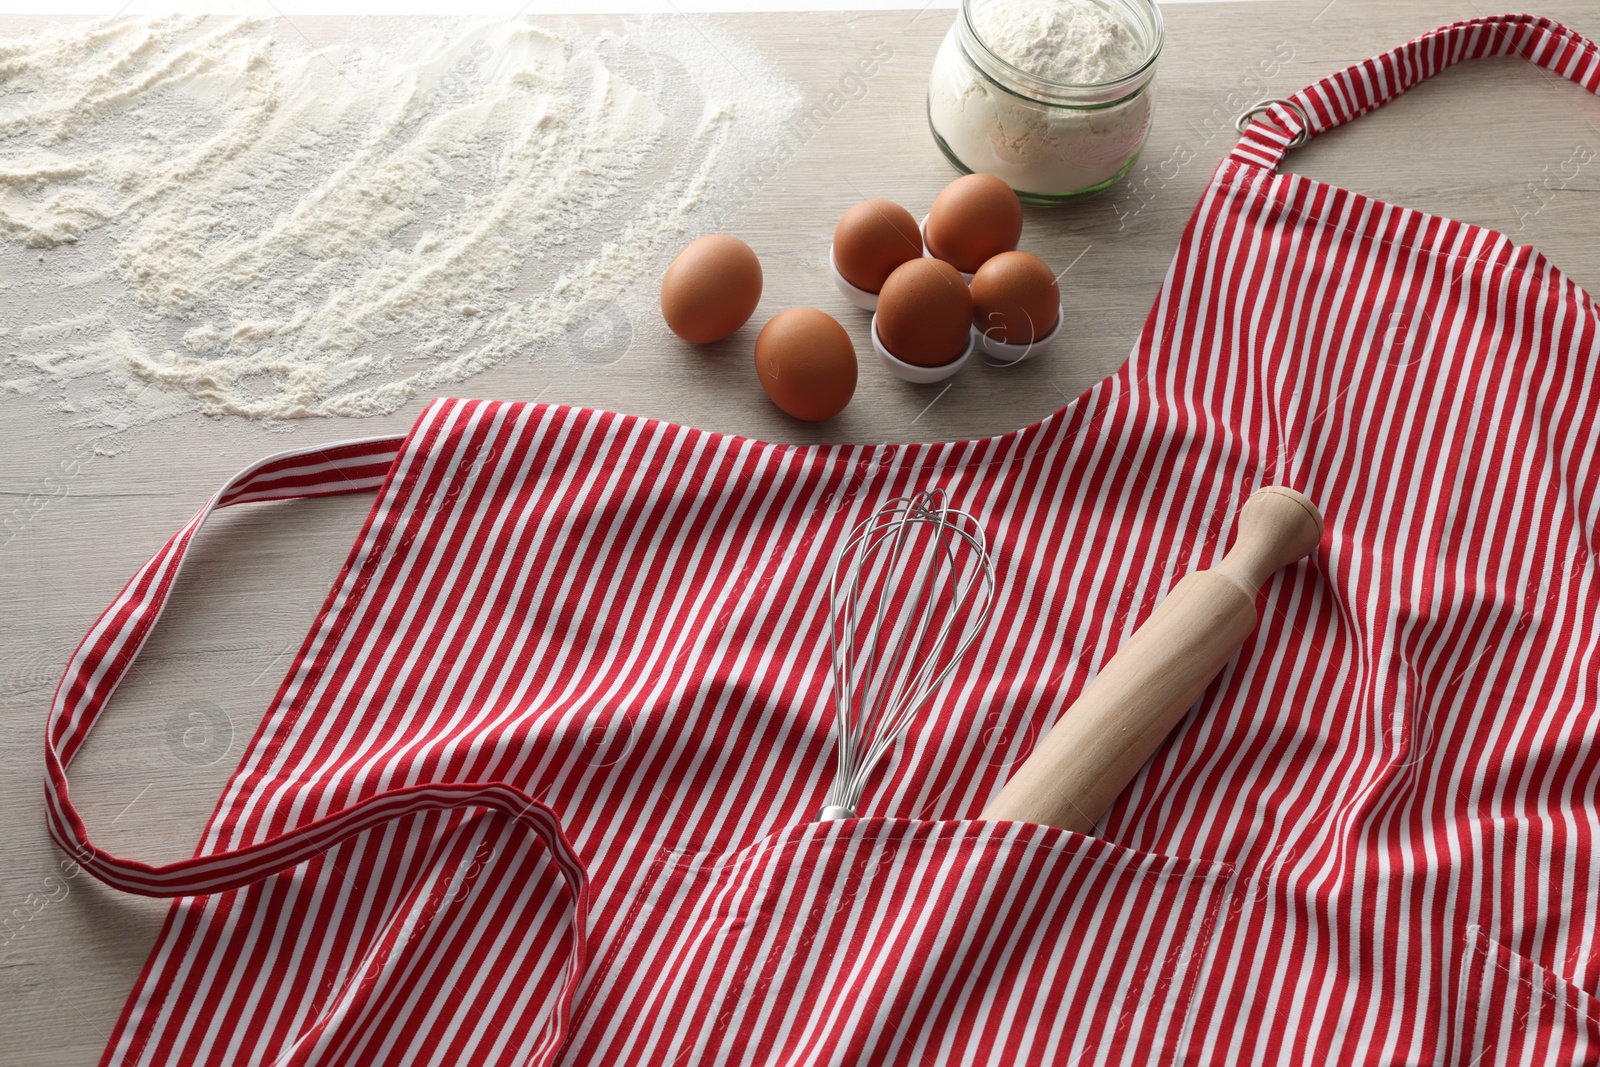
(1484, 143)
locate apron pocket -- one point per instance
(1517, 1012)
(904, 941)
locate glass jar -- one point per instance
(1048, 140)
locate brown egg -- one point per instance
(974, 218)
(872, 239)
(806, 363)
(1015, 298)
(925, 313)
(711, 289)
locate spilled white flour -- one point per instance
(212, 216)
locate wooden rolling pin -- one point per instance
(1127, 710)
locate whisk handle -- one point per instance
(1128, 709)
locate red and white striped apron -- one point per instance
(539, 786)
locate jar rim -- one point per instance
(1046, 86)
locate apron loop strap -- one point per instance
(1273, 127)
(107, 653)
(1264, 107)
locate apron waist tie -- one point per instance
(107, 652)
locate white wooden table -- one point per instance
(1483, 143)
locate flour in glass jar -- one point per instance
(1065, 41)
(1069, 115)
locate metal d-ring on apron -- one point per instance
(1373, 841)
(1251, 113)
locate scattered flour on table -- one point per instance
(1072, 41)
(216, 217)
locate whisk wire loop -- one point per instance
(909, 593)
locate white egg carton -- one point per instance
(1001, 352)
(921, 375)
(859, 297)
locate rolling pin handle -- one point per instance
(1277, 527)
(1127, 710)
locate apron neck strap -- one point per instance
(1279, 125)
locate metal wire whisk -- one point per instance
(909, 593)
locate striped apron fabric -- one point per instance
(540, 785)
